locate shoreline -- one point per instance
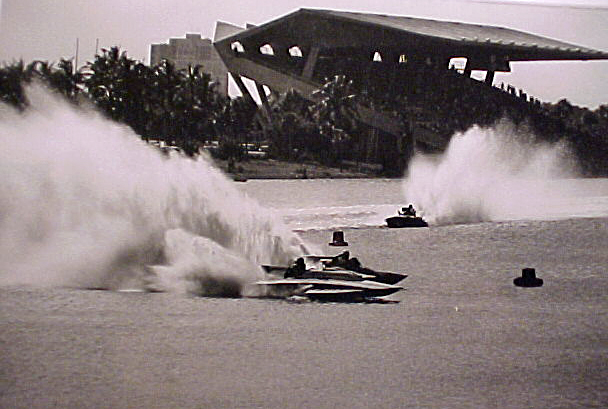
(273, 169)
(276, 169)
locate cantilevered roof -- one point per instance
(303, 24)
(461, 31)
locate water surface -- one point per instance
(462, 336)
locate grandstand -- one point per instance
(411, 94)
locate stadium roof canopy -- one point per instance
(408, 35)
(331, 41)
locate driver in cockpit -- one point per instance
(408, 211)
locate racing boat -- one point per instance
(406, 221)
(330, 278)
(406, 217)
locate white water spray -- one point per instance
(488, 174)
(85, 203)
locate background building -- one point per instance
(192, 50)
(412, 95)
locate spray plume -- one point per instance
(85, 203)
(488, 174)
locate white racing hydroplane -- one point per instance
(330, 278)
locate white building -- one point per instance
(193, 50)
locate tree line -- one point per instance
(184, 109)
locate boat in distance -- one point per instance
(406, 217)
(406, 221)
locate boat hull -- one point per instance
(319, 288)
(405, 221)
(364, 274)
(335, 295)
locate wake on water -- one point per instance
(485, 174)
(85, 203)
(489, 174)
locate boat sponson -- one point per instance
(368, 288)
(388, 277)
(335, 295)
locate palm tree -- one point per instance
(166, 80)
(11, 89)
(335, 111)
(66, 80)
(106, 79)
(61, 79)
(196, 103)
(177, 106)
(291, 125)
(233, 122)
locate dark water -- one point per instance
(462, 336)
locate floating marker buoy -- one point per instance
(338, 239)
(528, 279)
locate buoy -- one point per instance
(528, 279)
(338, 239)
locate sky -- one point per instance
(51, 29)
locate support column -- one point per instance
(244, 90)
(372, 145)
(311, 61)
(489, 77)
(264, 99)
(467, 68)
